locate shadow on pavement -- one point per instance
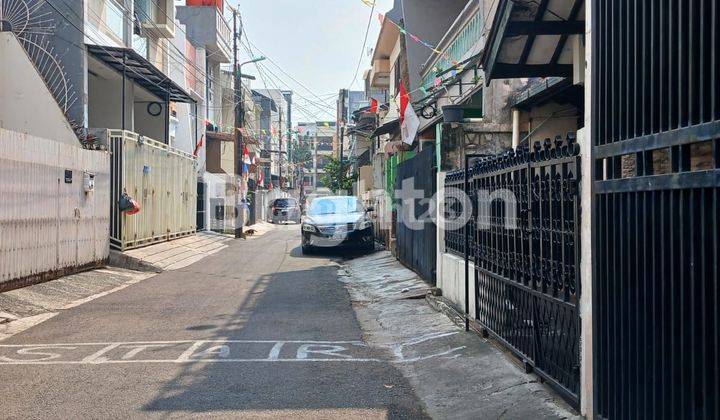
(335, 253)
(306, 304)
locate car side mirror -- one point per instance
(369, 209)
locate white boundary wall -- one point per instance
(450, 267)
(48, 226)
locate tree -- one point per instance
(301, 153)
(336, 176)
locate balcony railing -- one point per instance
(466, 39)
(224, 34)
(197, 20)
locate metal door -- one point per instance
(656, 156)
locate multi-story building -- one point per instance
(319, 136)
(349, 102)
(274, 129)
(107, 64)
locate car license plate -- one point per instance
(340, 232)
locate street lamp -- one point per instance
(238, 81)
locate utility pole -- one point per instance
(239, 117)
(280, 135)
(239, 219)
(342, 144)
(315, 168)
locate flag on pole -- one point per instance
(199, 145)
(373, 105)
(409, 121)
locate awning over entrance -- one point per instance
(140, 71)
(386, 128)
(530, 39)
(555, 89)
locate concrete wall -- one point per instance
(67, 75)
(450, 267)
(149, 125)
(50, 226)
(105, 98)
(220, 157)
(549, 120)
(365, 179)
(185, 123)
(26, 104)
(586, 238)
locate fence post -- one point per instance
(467, 242)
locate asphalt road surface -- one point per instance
(257, 330)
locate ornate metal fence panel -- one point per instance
(454, 228)
(525, 246)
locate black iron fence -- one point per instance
(454, 228)
(656, 155)
(523, 237)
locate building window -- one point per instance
(397, 72)
(474, 106)
(140, 45)
(108, 17)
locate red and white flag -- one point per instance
(246, 156)
(409, 121)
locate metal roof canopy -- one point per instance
(140, 71)
(529, 39)
(541, 91)
(386, 128)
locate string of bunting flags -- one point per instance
(417, 39)
(437, 80)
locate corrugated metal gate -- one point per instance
(162, 179)
(416, 248)
(656, 154)
(525, 239)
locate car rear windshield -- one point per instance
(285, 202)
(335, 205)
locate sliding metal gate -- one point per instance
(417, 248)
(656, 154)
(526, 246)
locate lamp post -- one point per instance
(239, 120)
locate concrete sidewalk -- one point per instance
(182, 252)
(23, 308)
(467, 376)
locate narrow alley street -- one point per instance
(253, 334)
(248, 302)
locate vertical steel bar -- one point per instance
(639, 391)
(691, 62)
(716, 292)
(122, 113)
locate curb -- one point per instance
(121, 260)
(444, 306)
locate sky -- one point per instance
(316, 42)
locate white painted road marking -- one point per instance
(214, 351)
(199, 351)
